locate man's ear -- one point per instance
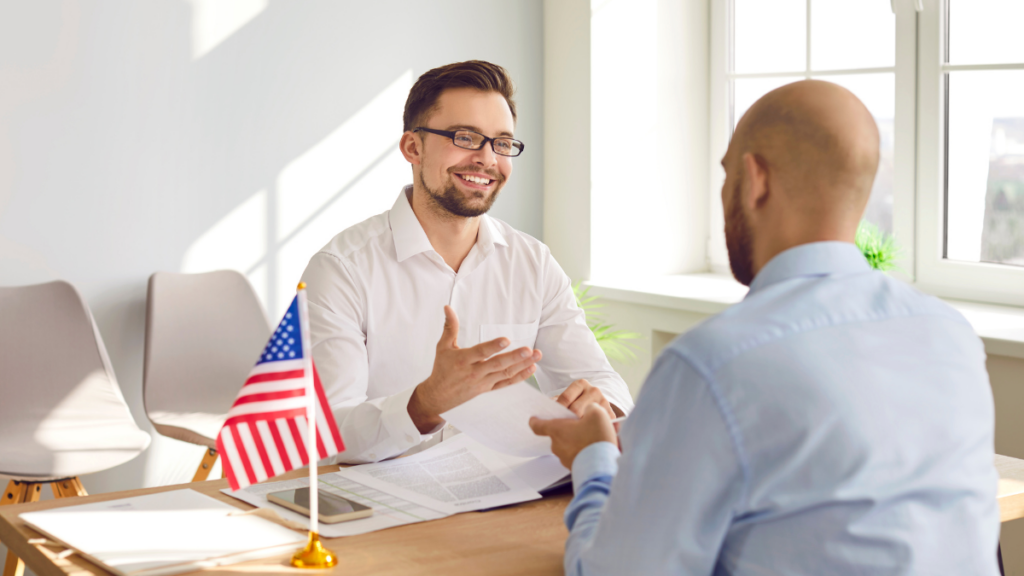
(411, 147)
(757, 191)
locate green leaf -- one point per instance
(879, 249)
(616, 344)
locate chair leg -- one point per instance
(68, 488)
(209, 459)
(18, 493)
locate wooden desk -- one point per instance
(528, 538)
(1011, 488)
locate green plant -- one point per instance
(880, 249)
(615, 343)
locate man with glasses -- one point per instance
(424, 307)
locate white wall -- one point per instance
(188, 135)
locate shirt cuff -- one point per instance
(396, 419)
(598, 459)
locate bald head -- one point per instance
(799, 169)
(819, 142)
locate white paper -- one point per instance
(538, 473)
(500, 419)
(453, 476)
(388, 510)
(164, 533)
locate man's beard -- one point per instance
(739, 241)
(453, 201)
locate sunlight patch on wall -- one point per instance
(370, 195)
(238, 241)
(213, 21)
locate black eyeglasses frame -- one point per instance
(451, 134)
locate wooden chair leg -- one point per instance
(209, 459)
(68, 488)
(18, 493)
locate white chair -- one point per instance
(62, 414)
(204, 333)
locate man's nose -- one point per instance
(485, 156)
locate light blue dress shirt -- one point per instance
(834, 422)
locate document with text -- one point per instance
(457, 475)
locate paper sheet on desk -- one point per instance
(164, 533)
(457, 475)
(500, 419)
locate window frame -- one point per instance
(919, 154)
(978, 281)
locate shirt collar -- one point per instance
(410, 239)
(814, 259)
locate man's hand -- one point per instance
(569, 437)
(462, 374)
(581, 394)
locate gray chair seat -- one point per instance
(63, 414)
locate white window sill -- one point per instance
(1000, 327)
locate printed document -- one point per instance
(453, 476)
(500, 419)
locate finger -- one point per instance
(523, 375)
(584, 400)
(510, 362)
(485, 350)
(572, 392)
(540, 427)
(511, 372)
(450, 333)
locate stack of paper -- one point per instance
(164, 533)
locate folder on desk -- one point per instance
(164, 533)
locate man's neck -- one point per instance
(451, 236)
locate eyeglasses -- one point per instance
(474, 141)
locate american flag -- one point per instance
(266, 430)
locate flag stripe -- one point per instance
(325, 407)
(267, 396)
(250, 474)
(229, 458)
(261, 448)
(254, 455)
(282, 452)
(292, 413)
(320, 449)
(289, 442)
(270, 447)
(271, 376)
(278, 366)
(276, 386)
(298, 434)
(262, 407)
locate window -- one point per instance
(944, 80)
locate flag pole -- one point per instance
(314, 555)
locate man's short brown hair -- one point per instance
(478, 74)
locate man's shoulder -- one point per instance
(374, 232)
(799, 306)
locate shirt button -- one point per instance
(372, 456)
(408, 438)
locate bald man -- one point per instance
(834, 422)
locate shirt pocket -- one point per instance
(520, 335)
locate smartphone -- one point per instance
(333, 508)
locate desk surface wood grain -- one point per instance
(528, 538)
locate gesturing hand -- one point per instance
(461, 374)
(569, 437)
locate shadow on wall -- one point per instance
(193, 135)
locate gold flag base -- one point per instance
(314, 555)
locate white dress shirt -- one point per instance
(377, 293)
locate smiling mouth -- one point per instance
(475, 179)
